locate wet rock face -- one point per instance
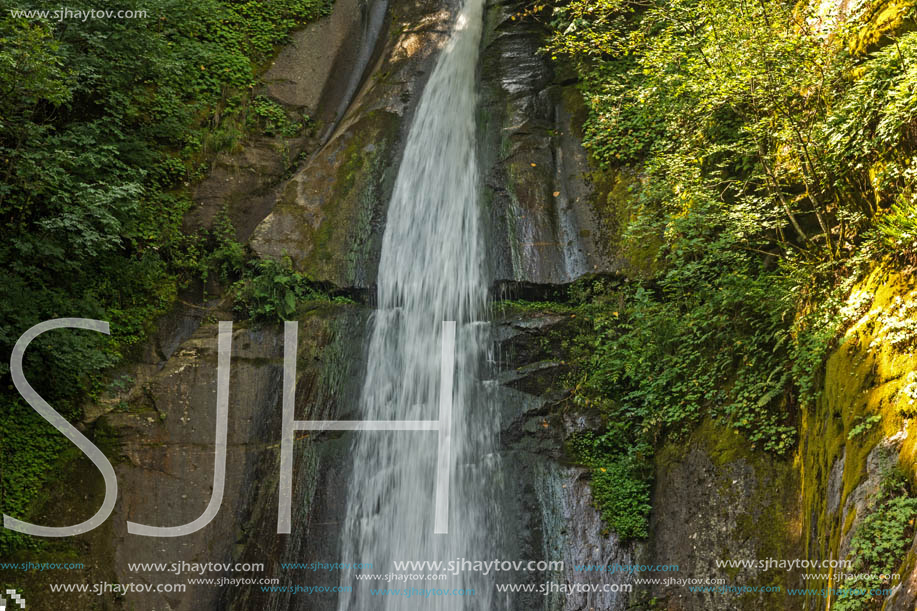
(329, 217)
(541, 208)
(166, 453)
(547, 505)
(330, 373)
(319, 70)
(587, 542)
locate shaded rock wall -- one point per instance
(548, 505)
(542, 207)
(715, 499)
(167, 454)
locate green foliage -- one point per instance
(211, 252)
(620, 483)
(709, 338)
(104, 123)
(31, 447)
(898, 227)
(797, 137)
(864, 426)
(519, 305)
(880, 542)
(223, 254)
(771, 165)
(869, 133)
(623, 498)
(907, 402)
(273, 120)
(270, 291)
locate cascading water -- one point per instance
(431, 270)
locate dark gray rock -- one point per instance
(540, 205)
(548, 504)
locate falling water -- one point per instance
(431, 270)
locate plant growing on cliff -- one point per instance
(864, 426)
(272, 119)
(271, 290)
(879, 543)
(708, 340)
(899, 226)
(620, 479)
(907, 400)
(773, 159)
(795, 134)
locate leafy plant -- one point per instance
(620, 483)
(907, 402)
(272, 118)
(880, 542)
(899, 226)
(270, 291)
(772, 161)
(864, 426)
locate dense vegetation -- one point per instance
(769, 157)
(104, 124)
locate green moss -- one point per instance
(343, 239)
(724, 445)
(881, 19)
(771, 497)
(573, 101)
(862, 380)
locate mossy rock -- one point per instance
(859, 411)
(718, 499)
(328, 216)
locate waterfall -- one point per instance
(431, 270)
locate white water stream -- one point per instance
(431, 270)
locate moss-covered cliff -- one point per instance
(716, 499)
